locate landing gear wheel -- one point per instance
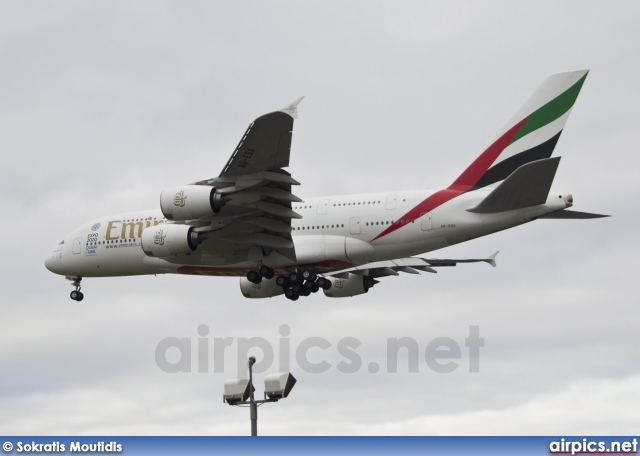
(282, 281)
(314, 287)
(266, 272)
(292, 295)
(308, 275)
(254, 277)
(76, 295)
(324, 283)
(305, 291)
(294, 277)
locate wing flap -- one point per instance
(230, 184)
(271, 224)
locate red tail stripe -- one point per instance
(476, 170)
(464, 182)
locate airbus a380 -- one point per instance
(247, 222)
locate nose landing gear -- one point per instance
(76, 294)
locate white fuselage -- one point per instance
(334, 233)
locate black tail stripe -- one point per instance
(503, 169)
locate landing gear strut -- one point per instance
(76, 294)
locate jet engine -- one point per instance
(351, 286)
(265, 289)
(191, 202)
(167, 240)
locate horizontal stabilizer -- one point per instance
(527, 186)
(574, 215)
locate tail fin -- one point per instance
(530, 135)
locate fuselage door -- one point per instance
(322, 206)
(392, 200)
(425, 222)
(354, 225)
(77, 246)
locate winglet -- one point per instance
(292, 108)
(492, 259)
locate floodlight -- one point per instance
(278, 386)
(237, 390)
(240, 392)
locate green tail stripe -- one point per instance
(551, 111)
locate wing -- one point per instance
(254, 194)
(408, 265)
(265, 145)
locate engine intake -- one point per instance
(168, 240)
(191, 202)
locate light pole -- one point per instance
(276, 387)
(253, 407)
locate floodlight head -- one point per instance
(252, 361)
(236, 391)
(278, 386)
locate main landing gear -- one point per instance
(262, 272)
(76, 294)
(296, 284)
(302, 283)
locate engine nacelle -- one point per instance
(168, 240)
(351, 286)
(190, 202)
(265, 289)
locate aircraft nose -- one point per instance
(52, 262)
(48, 263)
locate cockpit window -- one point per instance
(61, 242)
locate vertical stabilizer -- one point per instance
(531, 134)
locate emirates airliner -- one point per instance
(247, 222)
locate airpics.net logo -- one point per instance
(593, 446)
(315, 355)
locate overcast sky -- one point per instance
(105, 104)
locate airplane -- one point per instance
(247, 223)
